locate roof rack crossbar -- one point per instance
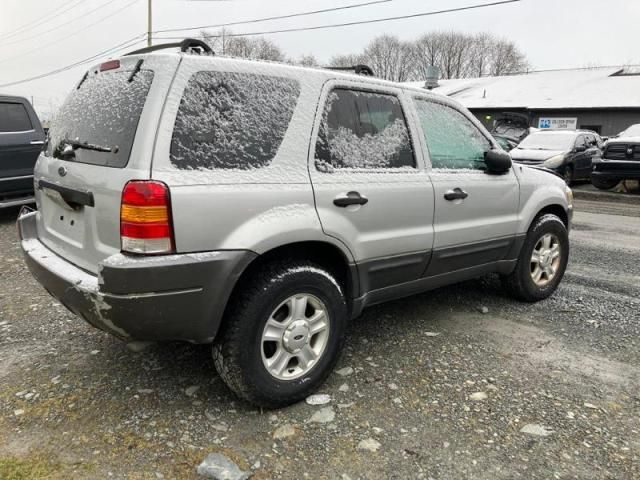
(358, 69)
(188, 45)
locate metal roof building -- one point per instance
(605, 99)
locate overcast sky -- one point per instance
(552, 33)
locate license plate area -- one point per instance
(61, 219)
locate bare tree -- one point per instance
(457, 55)
(348, 60)
(506, 58)
(258, 48)
(307, 61)
(480, 55)
(390, 58)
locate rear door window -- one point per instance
(14, 118)
(104, 110)
(454, 142)
(363, 130)
(232, 120)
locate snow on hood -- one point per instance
(624, 140)
(536, 155)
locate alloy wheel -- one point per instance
(295, 336)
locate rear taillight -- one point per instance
(145, 218)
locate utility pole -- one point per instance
(149, 23)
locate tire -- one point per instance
(520, 283)
(602, 184)
(240, 350)
(568, 175)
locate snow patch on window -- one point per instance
(232, 120)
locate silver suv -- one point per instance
(259, 207)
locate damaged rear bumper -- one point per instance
(172, 297)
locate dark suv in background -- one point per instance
(570, 153)
(21, 140)
(620, 160)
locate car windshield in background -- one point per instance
(548, 141)
(632, 131)
(103, 111)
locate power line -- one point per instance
(122, 46)
(359, 22)
(44, 18)
(58, 27)
(279, 17)
(75, 32)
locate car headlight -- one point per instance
(554, 162)
(568, 193)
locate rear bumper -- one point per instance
(173, 297)
(616, 169)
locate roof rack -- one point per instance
(188, 45)
(358, 69)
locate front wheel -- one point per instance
(604, 184)
(542, 261)
(282, 334)
(568, 175)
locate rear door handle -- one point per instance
(456, 194)
(351, 198)
(37, 142)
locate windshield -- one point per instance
(632, 131)
(102, 112)
(548, 141)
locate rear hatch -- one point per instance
(102, 137)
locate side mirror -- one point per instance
(497, 161)
(580, 148)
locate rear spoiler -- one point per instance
(188, 45)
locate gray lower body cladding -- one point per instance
(172, 297)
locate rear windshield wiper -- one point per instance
(67, 147)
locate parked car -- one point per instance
(512, 126)
(259, 207)
(568, 152)
(21, 140)
(506, 143)
(620, 160)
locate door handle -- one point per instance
(351, 198)
(456, 194)
(37, 142)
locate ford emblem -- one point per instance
(62, 171)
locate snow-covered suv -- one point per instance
(259, 207)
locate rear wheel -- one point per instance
(282, 335)
(542, 261)
(604, 184)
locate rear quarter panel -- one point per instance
(254, 209)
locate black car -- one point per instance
(21, 140)
(568, 152)
(620, 160)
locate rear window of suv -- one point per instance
(104, 110)
(232, 120)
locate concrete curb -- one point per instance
(627, 198)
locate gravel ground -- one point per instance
(431, 386)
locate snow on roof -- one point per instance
(606, 87)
